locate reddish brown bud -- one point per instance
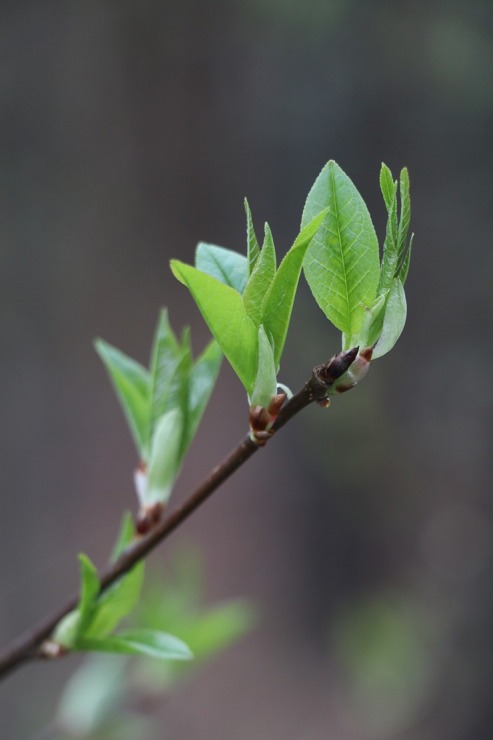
(259, 418)
(276, 404)
(148, 517)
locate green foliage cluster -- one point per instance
(104, 695)
(246, 301)
(163, 405)
(91, 626)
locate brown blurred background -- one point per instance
(128, 132)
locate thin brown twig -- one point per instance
(27, 646)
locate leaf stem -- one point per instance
(27, 646)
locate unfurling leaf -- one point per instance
(394, 319)
(176, 389)
(265, 382)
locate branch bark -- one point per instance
(28, 645)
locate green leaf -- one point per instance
(371, 327)
(125, 536)
(252, 243)
(90, 696)
(342, 262)
(405, 215)
(406, 262)
(223, 264)
(69, 629)
(202, 380)
(394, 319)
(90, 586)
(223, 311)
(131, 383)
(168, 359)
(387, 185)
(278, 303)
(216, 628)
(265, 382)
(115, 603)
(164, 461)
(261, 278)
(390, 248)
(140, 642)
(119, 599)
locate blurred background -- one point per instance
(363, 535)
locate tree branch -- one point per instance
(28, 646)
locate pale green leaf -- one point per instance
(252, 243)
(67, 630)
(223, 264)
(342, 262)
(261, 278)
(216, 628)
(278, 303)
(164, 460)
(223, 311)
(132, 386)
(140, 642)
(202, 380)
(265, 382)
(90, 695)
(371, 327)
(394, 319)
(125, 536)
(169, 363)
